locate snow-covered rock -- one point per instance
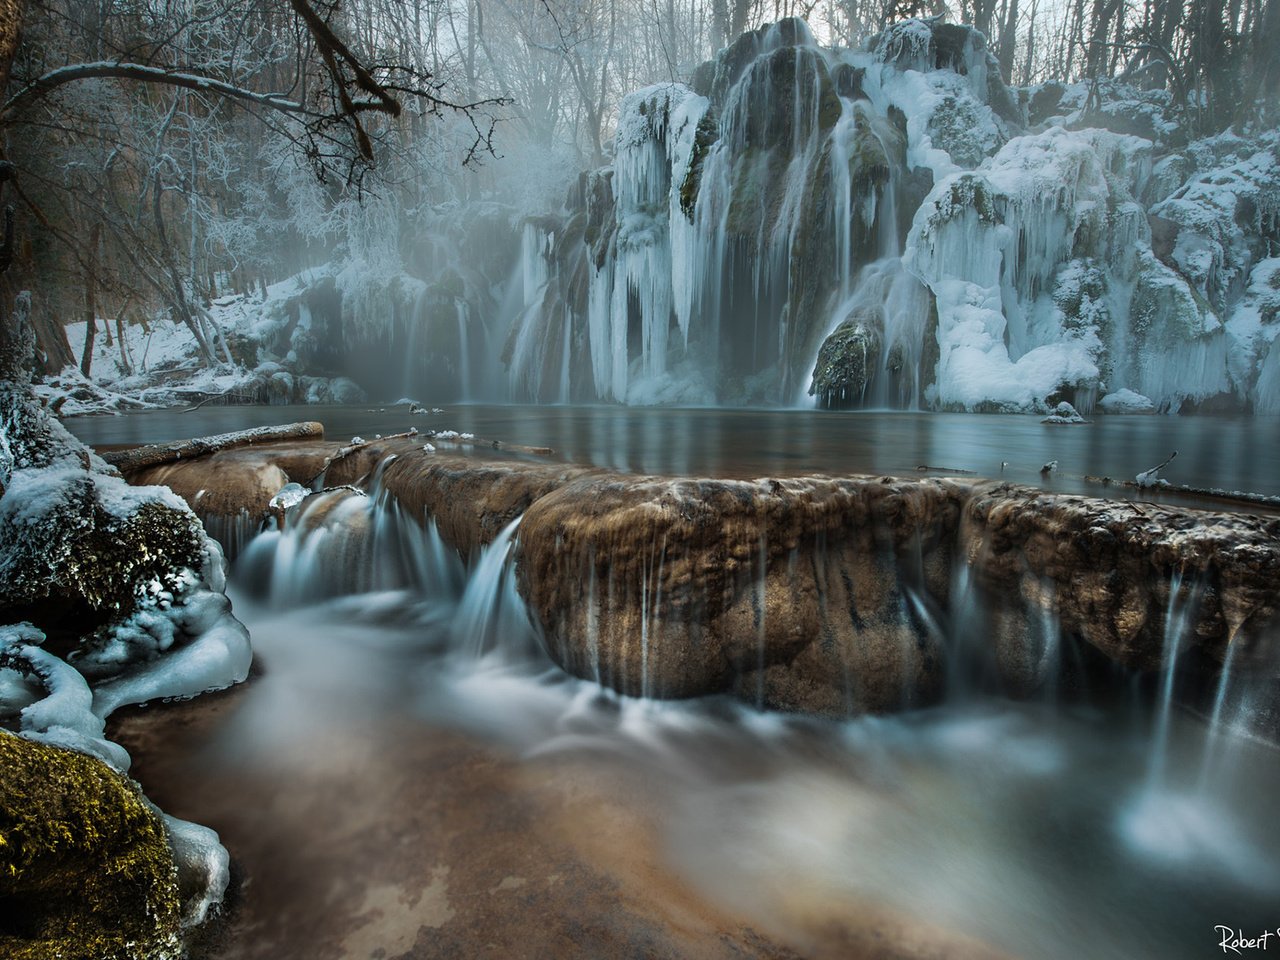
(1064, 414)
(1126, 401)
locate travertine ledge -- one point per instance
(822, 594)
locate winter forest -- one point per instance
(589, 479)
(994, 207)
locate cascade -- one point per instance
(464, 351)
(1103, 779)
(491, 614)
(1177, 615)
(879, 227)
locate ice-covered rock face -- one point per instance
(1048, 223)
(725, 243)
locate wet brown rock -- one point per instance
(1110, 570)
(471, 498)
(809, 593)
(230, 489)
(226, 485)
(798, 592)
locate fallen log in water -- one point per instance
(152, 455)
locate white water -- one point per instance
(1036, 828)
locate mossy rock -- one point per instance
(82, 566)
(1045, 102)
(706, 134)
(85, 867)
(846, 365)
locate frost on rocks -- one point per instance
(1126, 401)
(124, 575)
(1064, 413)
(1217, 220)
(990, 245)
(1041, 265)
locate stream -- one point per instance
(408, 775)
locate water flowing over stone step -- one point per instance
(830, 595)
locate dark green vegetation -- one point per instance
(85, 869)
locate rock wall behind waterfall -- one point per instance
(885, 227)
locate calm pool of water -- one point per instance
(1233, 454)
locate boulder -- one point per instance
(846, 365)
(806, 594)
(85, 868)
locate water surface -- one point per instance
(1232, 454)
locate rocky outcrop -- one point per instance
(831, 595)
(1121, 575)
(804, 593)
(231, 488)
(846, 365)
(470, 498)
(85, 867)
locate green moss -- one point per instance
(90, 565)
(85, 868)
(706, 134)
(973, 192)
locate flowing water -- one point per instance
(1100, 822)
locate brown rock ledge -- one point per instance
(817, 593)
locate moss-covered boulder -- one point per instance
(846, 365)
(77, 546)
(85, 867)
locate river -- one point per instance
(388, 791)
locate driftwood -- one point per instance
(1209, 493)
(139, 458)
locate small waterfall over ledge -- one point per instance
(1108, 750)
(1025, 756)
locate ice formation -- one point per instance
(891, 226)
(752, 216)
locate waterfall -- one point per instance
(1178, 614)
(464, 351)
(491, 613)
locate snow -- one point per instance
(1064, 413)
(157, 364)
(1126, 401)
(1040, 265)
(1217, 212)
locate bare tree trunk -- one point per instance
(1008, 41)
(90, 301)
(125, 365)
(181, 307)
